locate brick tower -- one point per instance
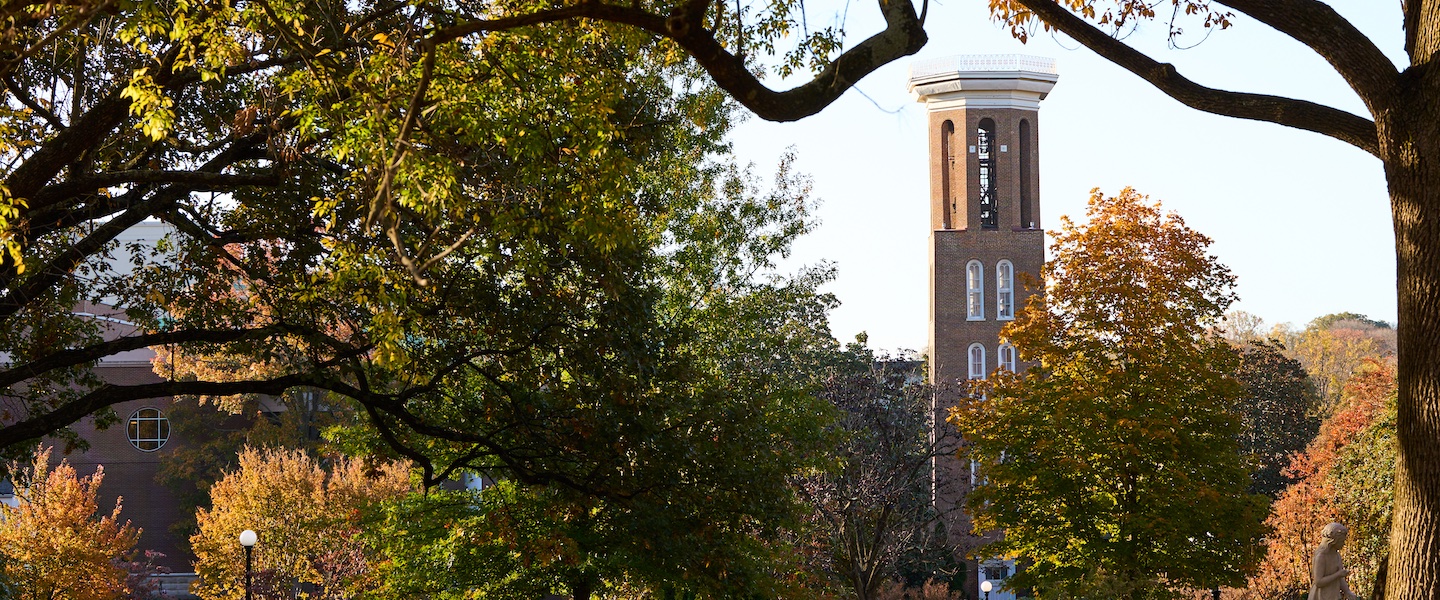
(985, 232)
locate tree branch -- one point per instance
(77, 356)
(195, 181)
(110, 395)
(30, 103)
(1300, 114)
(1368, 71)
(903, 35)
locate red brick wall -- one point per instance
(130, 473)
(951, 333)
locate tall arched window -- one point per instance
(947, 170)
(974, 291)
(1004, 291)
(985, 153)
(1027, 200)
(977, 361)
(1005, 357)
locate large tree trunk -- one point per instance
(1410, 146)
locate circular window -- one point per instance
(148, 429)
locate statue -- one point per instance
(1327, 575)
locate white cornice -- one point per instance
(998, 81)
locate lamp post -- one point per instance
(247, 539)
(986, 586)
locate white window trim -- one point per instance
(1000, 357)
(974, 311)
(970, 361)
(1004, 289)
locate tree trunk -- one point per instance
(1410, 145)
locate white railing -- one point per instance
(982, 62)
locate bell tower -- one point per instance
(985, 232)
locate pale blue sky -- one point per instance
(1302, 219)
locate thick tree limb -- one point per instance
(1300, 114)
(904, 35)
(109, 395)
(61, 359)
(18, 293)
(1368, 71)
(62, 149)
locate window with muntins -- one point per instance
(1005, 357)
(985, 155)
(148, 429)
(1004, 291)
(974, 291)
(977, 361)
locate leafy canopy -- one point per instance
(1113, 462)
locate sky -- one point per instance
(1300, 218)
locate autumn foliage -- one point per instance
(307, 519)
(1325, 479)
(54, 546)
(1113, 464)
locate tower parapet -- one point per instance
(983, 81)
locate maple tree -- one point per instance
(54, 545)
(1112, 465)
(1345, 474)
(307, 519)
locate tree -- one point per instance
(874, 518)
(307, 519)
(53, 545)
(1112, 464)
(1345, 475)
(216, 439)
(398, 219)
(1275, 411)
(153, 81)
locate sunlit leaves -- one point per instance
(307, 518)
(1112, 463)
(54, 545)
(1118, 17)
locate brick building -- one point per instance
(986, 231)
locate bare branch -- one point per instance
(30, 103)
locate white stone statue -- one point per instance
(1327, 575)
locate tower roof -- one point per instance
(989, 80)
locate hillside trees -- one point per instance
(1275, 412)
(1113, 463)
(1345, 474)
